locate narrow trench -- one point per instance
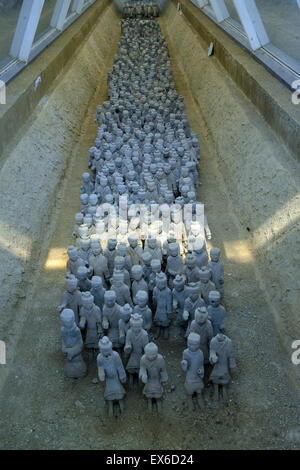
(262, 412)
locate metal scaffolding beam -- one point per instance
(59, 14)
(252, 23)
(77, 6)
(26, 28)
(220, 10)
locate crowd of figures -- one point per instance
(129, 278)
(145, 9)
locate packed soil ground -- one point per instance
(41, 409)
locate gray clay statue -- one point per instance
(154, 375)
(97, 291)
(71, 298)
(206, 285)
(85, 249)
(155, 269)
(191, 270)
(87, 186)
(91, 321)
(78, 222)
(179, 294)
(98, 263)
(192, 302)
(143, 309)
(72, 345)
(200, 253)
(124, 322)
(222, 358)
(110, 254)
(162, 300)
(216, 312)
(122, 251)
(121, 289)
(136, 340)
(203, 327)
(74, 261)
(111, 316)
(138, 281)
(120, 268)
(152, 247)
(174, 263)
(111, 370)
(217, 270)
(192, 363)
(84, 284)
(146, 259)
(134, 250)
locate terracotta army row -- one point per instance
(143, 359)
(145, 9)
(144, 362)
(177, 287)
(126, 272)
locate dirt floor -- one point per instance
(41, 409)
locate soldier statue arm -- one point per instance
(105, 323)
(128, 344)
(120, 368)
(82, 322)
(101, 371)
(185, 362)
(143, 371)
(73, 351)
(99, 322)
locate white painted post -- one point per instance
(26, 28)
(220, 10)
(252, 23)
(77, 6)
(60, 13)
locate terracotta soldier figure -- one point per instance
(217, 270)
(71, 297)
(111, 316)
(136, 340)
(111, 370)
(162, 300)
(91, 320)
(192, 364)
(72, 345)
(221, 356)
(203, 327)
(153, 374)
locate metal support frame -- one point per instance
(78, 5)
(252, 23)
(284, 67)
(202, 3)
(24, 47)
(59, 14)
(26, 28)
(220, 10)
